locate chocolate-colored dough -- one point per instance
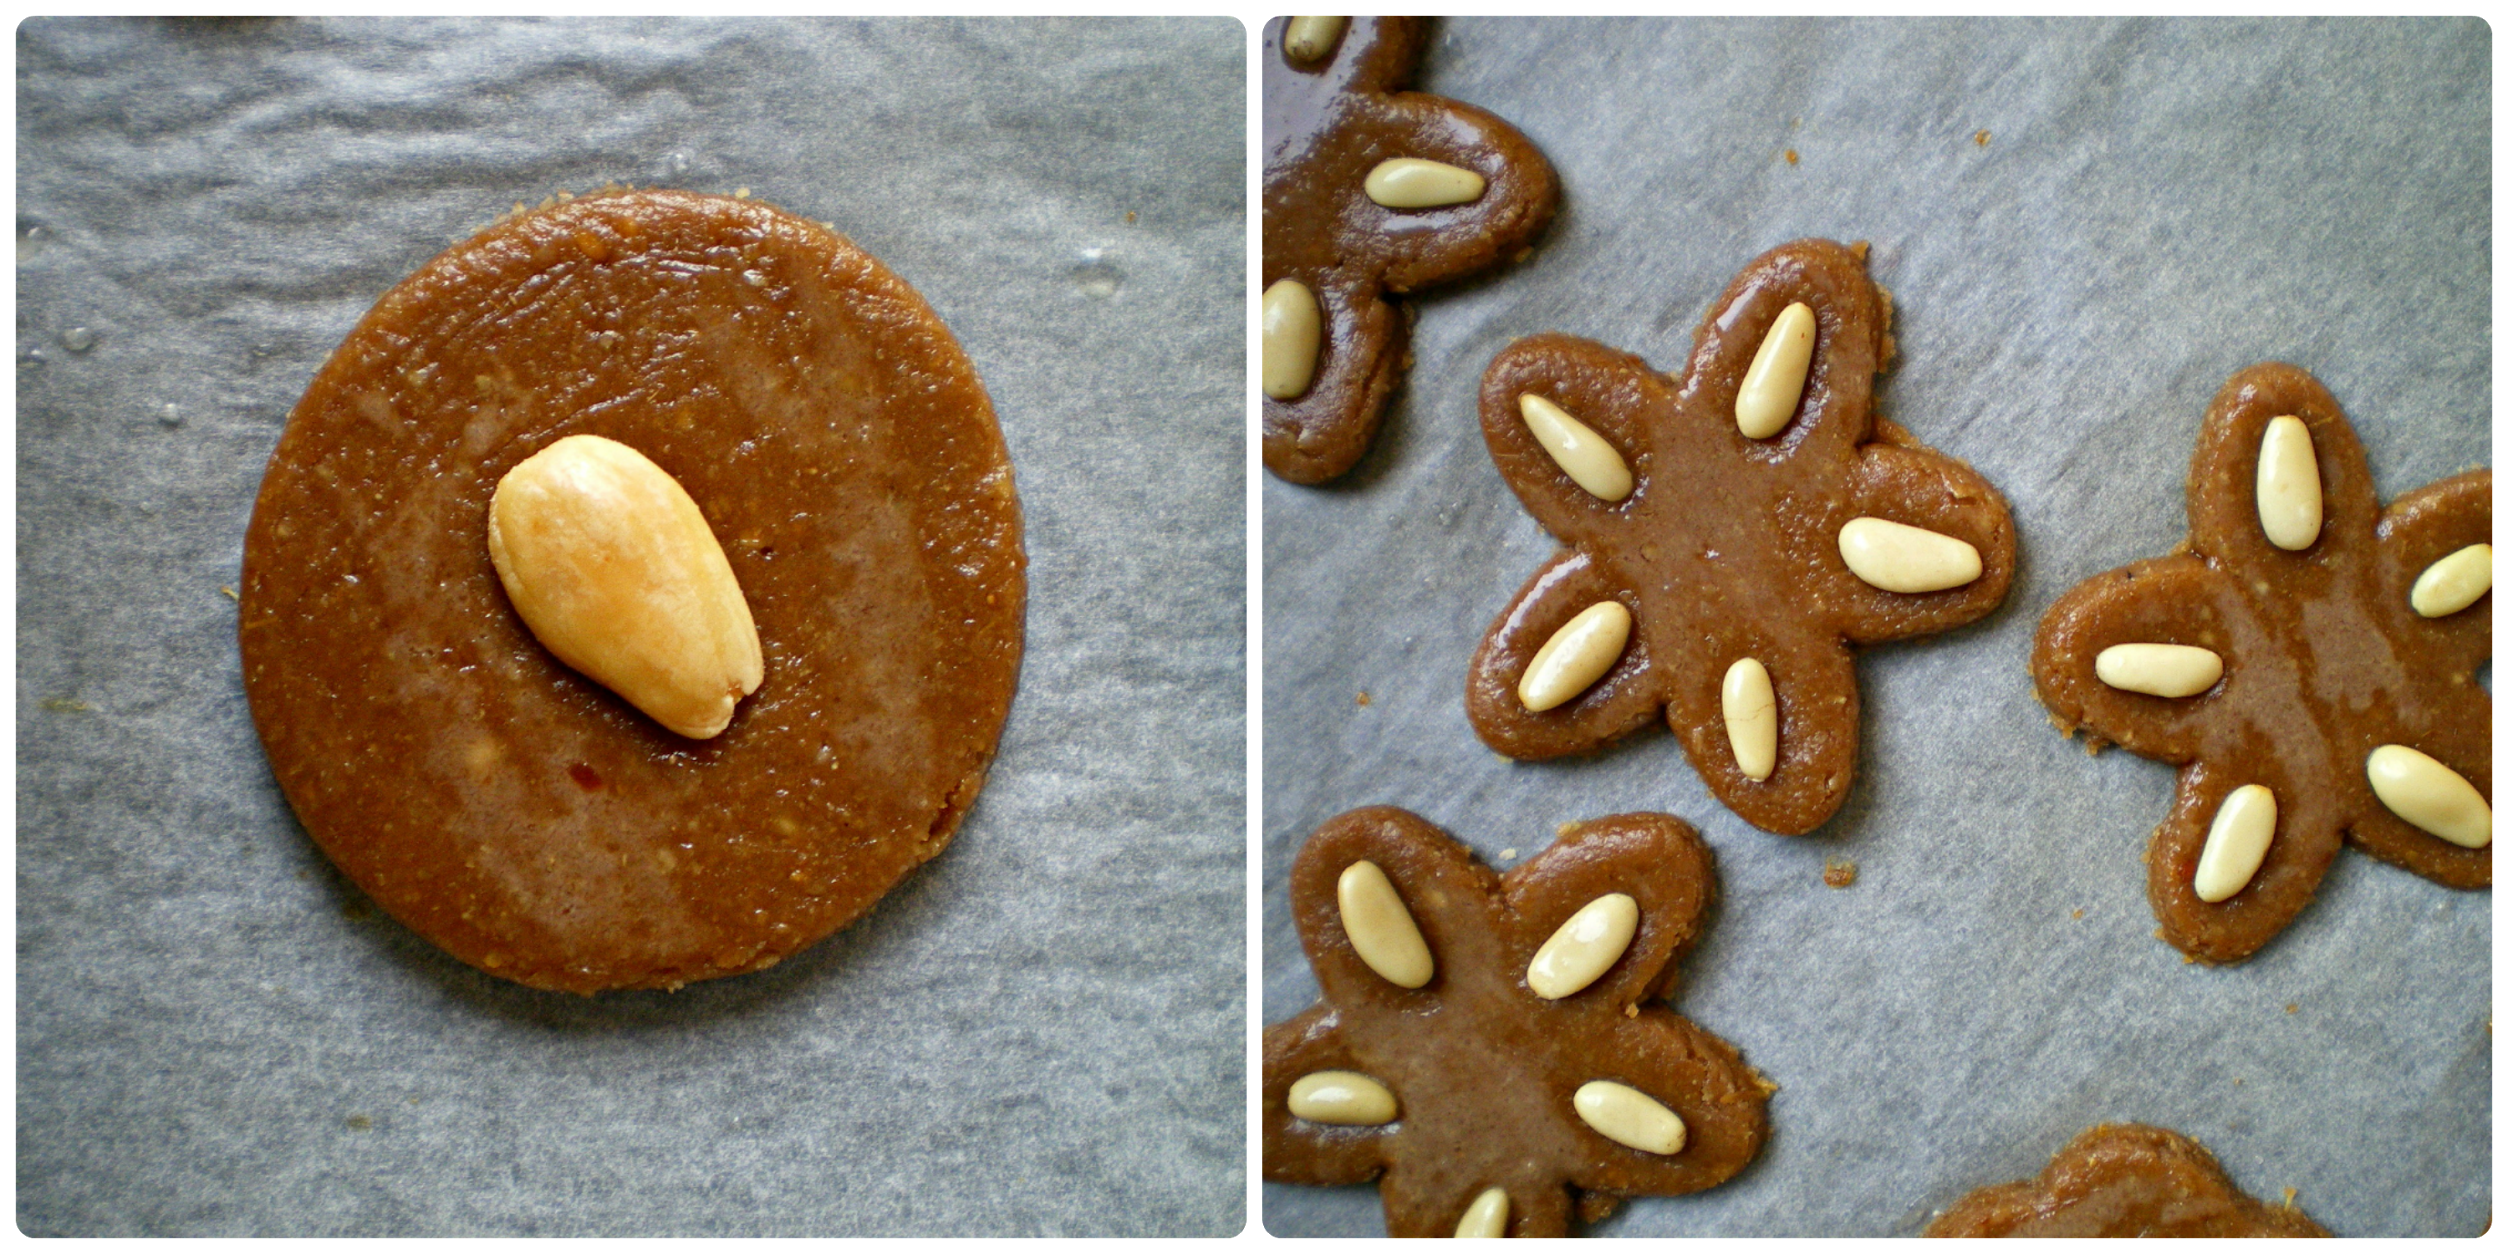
(1325, 125)
(1727, 548)
(1484, 1070)
(2323, 660)
(520, 815)
(2123, 1180)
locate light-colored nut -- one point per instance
(1750, 717)
(1585, 456)
(1343, 1097)
(2422, 791)
(1773, 386)
(2289, 498)
(2159, 670)
(1486, 1216)
(1312, 38)
(1293, 339)
(1630, 1117)
(1415, 183)
(1895, 557)
(2453, 582)
(1575, 656)
(1584, 947)
(1380, 927)
(612, 566)
(2241, 831)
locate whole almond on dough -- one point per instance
(612, 566)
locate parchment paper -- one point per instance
(2155, 205)
(1041, 1032)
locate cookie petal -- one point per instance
(1418, 248)
(1719, 1098)
(1916, 487)
(1428, 1200)
(2307, 833)
(1819, 718)
(1450, 896)
(2423, 526)
(1609, 392)
(1623, 700)
(2170, 600)
(1654, 858)
(2221, 487)
(2460, 742)
(1296, 1151)
(1321, 433)
(1835, 413)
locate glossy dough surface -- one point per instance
(1486, 1071)
(2323, 661)
(514, 812)
(1326, 124)
(1728, 546)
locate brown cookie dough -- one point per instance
(2123, 1180)
(2321, 657)
(1327, 123)
(512, 811)
(1727, 546)
(1484, 1073)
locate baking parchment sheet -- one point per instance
(2087, 227)
(1040, 1032)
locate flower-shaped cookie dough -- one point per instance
(1730, 537)
(1489, 1048)
(2307, 661)
(1369, 192)
(2123, 1180)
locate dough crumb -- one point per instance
(2076, 913)
(2291, 1009)
(1838, 873)
(1364, 699)
(1506, 855)
(1792, 157)
(230, 593)
(1982, 137)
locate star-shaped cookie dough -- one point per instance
(1730, 538)
(1490, 1049)
(1369, 192)
(2308, 662)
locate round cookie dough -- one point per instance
(518, 814)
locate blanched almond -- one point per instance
(612, 566)
(2453, 582)
(1575, 656)
(1311, 38)
(2289, 497)
(1343, 1097)
(2242, 831)
(1630, 1117)
(1418, 183)
(1487, 1215)
(1773, 387)
(1895, 557)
